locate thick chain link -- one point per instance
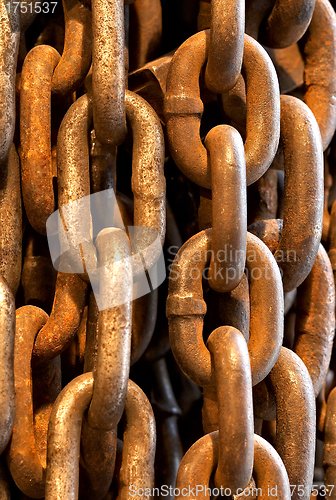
(167, 223)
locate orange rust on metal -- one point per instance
(73, 152)
(315, 308)
(65, 318)
(35, 132)
(269, 471)
(76, 56)
(7, 333)
(295, 424)
(319, 55)
(148, 180)
(329, 464)
(198, 464)
(302, 228)
(9, 48)
(114, 330)
(228, 177)
(186, 308)
(137, 466)
(201, 459)
(231, 378)
(73, 177)
(287, 22)
(22, 457)
(184, 109)
(315, 319)
(11, 221)
(62, 475)
(108, 73)
(145, 32)
(226, 45)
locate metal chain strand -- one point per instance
(167, 249)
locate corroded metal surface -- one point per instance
(35, 134)
(167, 249)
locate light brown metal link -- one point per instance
(226, 45)
(114, 330)
(35, 131)
(186, 309)
(106, 365)
(108, 73)
(233, 387)
(76, 57)
(9, 43)
(201, 459)
(226, 152)
(184, 108)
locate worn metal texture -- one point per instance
(286, 24)
(73, 179)
(319, 75)
(315, 320)
(226, 45)
(7, 331)
(137, 466)
(22, 457)
(201, 460)
(269, 470)
(293, 389)
(11, 221)
(65, 317)
(148, 181)
(315, 307)
(76, 56)
(114, 330)
(108, 73)
(167, 249)
(35, 134)
(184, 108)
(227, 163)
(62, 476)
(10, 39)
(298, 124)
(186, 309)
(231, 378)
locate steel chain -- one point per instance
(167, 249)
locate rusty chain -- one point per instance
(167, 249)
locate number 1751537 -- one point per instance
(31, 7)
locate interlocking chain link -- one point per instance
(167, 249)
